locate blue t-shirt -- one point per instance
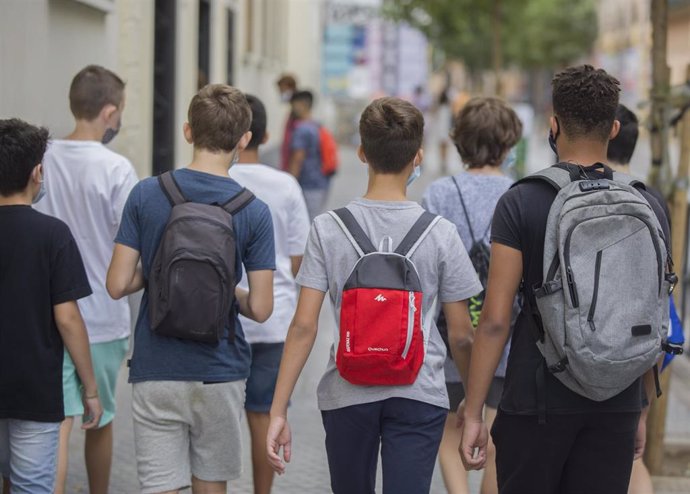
(160, 358)
(306, 137)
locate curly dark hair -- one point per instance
(585, 100)
(21, 148)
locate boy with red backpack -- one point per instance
(313, 154)
(385, 264)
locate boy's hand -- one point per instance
(92, 412)
(475, 438)
(279, 435)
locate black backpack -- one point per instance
(479, 254)
(191, 287)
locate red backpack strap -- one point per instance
(354, 233)
(417, 233)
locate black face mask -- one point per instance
(552, 138)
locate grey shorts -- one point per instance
(456, 393)
(184, 429)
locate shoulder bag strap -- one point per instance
(170, 188)
(354, 233)
(417, 233)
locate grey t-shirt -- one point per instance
(481, 194)
(446, 273)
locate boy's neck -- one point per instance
(585, 152)
(85, 130)
(23, 198)
(386, 187)
(213, 163)
(249, 156)
(305, 116)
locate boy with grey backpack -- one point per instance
(589, 250)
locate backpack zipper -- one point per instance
(657, 250)
(411, 309)
(592, 307)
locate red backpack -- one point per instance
(329, 152)
(381, 336)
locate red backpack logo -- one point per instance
(381, 334)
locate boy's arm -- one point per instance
(73, 332)
(298, 345)
(295, 263)
(125, 274)
(460, 336)
(296, 161)
(257, 302)
(505, 273)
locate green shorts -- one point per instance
(107, 359)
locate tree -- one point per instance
(533, 34)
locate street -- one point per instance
(308, 471)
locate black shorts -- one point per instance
(456, 393)
(588, 453)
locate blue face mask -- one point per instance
(41, 192)
(509, 161)
(416, 173)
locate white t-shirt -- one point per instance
(283, 195)
(87, 185)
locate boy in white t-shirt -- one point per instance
(283, 195)
(88, 185)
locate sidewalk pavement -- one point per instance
(308, 471)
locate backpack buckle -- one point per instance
(589, 185)
(558, 366)
(672, 348)
(548, 288)
(672, 278)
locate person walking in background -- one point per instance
(283, 195)
(89, 185)
(385, 388)
(619, 154)
(287, 86)
(550, 438)
(305, 155)
(42, 278)
(191, 359)
(485, 133)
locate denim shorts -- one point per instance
(107, 359)
(28, 452)
(263, 374)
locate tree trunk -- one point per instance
(659, 91)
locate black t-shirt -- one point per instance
(40, 266)
(520, 222)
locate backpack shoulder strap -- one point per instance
(238, 202)
(555, 176)
(628, 180)
(417, 233)
(170, 188)
(464, 210)
(354, 233)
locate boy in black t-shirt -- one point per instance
(584, 446)
(41, 277)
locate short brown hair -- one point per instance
(484, 130)
(288, 81)
(93, 88)
(391, 130)
(219, 116)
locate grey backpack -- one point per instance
(191, 287)
(603, 308)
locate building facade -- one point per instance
(164, 49)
